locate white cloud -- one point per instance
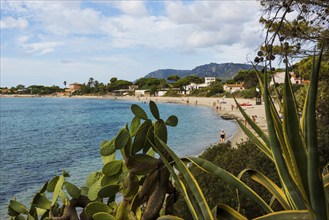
(131, 8)
(10, 22)
(40, 48)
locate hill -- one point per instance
(224, 71)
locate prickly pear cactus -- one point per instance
(136, 187)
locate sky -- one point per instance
(49, 42)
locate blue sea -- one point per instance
(42, 136)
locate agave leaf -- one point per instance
(189, 178)
(274, 129)
(290, 214)
(140, 138)
(96, 207)
(269, 185)
(254, 126)
(57, 190)
(18, 207)
(122, 138)
(326, 181)
(138, 111)
(293, 139)
(134, 126)
(263, 147)
(317, 195)
(172, 121)
(107, 148)
(230, 179)
(72, 190)
(154, 110)
(223, 211)
(112, 168)
(103, 216)
(41, 202)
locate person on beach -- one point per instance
(222, 136)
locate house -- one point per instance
(193, 86)
(75, 86)
(72, 88)
(142, 93)
(279, 77)
(208, 80)
(233, 87)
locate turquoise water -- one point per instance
(42, 136)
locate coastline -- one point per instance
(226, 109)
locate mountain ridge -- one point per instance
(224, 71)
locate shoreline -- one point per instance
(226, 109)
(223, 109)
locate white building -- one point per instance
(280, 76)
(233, 87)
(208, 80)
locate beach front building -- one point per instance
(72, 88)
(233, 87)
(142, 93)
(193, 86)
(280, 76)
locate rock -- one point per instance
(227, 116)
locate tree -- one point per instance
(307, 24)
(173, 78)
(247, 77)
(64, 83)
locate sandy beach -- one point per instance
(226, 108)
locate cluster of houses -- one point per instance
(277, 78)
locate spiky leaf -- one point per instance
(138, 111)
(172, 121)
(112, 168)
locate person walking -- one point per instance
(222, 136)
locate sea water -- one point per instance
(42, 136)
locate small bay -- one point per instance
(42, 136)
